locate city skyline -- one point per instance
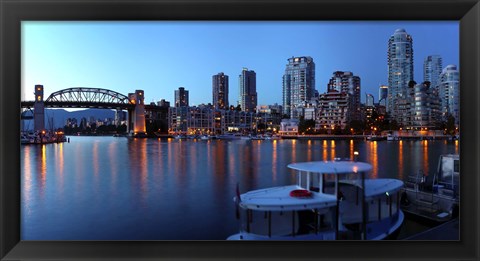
(160, 57)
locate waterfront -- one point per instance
(110, 188)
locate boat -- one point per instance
(374, 137)
(391, 137)
(205, 137)
(230, 136)
(25, 139)
(434, 198)
(327, 203)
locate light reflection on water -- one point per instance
(109, 188)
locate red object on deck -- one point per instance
(301, 193)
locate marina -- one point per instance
(43, 137)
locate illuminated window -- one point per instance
(39, 98)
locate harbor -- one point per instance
(42, 137)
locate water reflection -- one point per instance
(294, 152)
(60, 169)
(113, 163)
(325, 150)
(373, 158)
(43, 169)
(27, 184)
(400, 159)
(95, 159)
(425, 157)
(143, 165)
(274, 159)
(352, 150)
(170, 189)
(332, 150)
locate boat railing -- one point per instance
(424, 189)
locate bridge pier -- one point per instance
(39, 109)
(136, 117)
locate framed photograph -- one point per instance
(208, 129)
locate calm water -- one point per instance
(108, 188)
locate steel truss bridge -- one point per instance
(81, 97)
(85, 97)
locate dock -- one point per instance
(446, 231)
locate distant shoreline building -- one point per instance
(432, 68)
(247, 82)
(426, 108)
(333, 110)
(181, 97)
(348, 83)
(449, 91)
(220, 91)
(383, 95)
(298, 84)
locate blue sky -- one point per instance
(159, 57)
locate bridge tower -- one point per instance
(39, 109)
(137, 116)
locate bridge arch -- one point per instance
(85, 94)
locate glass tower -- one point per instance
(383, 95)
(298, 84)
(450, 92)
(432, 68)
(400, 70)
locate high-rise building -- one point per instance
(347, 83)
(181, 97)
(426, 108)
(383, 95)
(449, 91)
(400, 70)
(247, 82)
(432, 68)
(298, 84)
(220, 91)
(333, 111)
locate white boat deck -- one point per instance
(278, 199)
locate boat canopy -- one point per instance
(331, 167)
(376, 187)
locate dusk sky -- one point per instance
(159, 57)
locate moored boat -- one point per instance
(391, 137)
(205, 137)
(230, 136)
(330, 201)
(374, 137)
(434, 198)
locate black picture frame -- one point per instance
(12, 12)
